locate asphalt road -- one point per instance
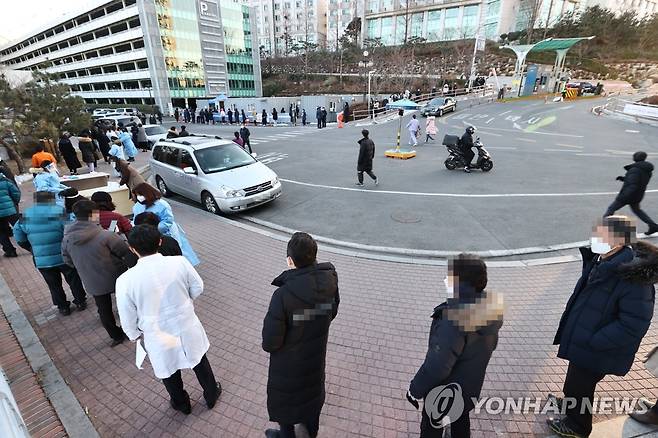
(554, 173)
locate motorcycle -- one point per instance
(456, 158)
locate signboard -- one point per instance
(480, 42)
(647, 111)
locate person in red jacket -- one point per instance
(108, 215)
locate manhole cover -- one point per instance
(405, 217)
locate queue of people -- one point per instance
(101, 253)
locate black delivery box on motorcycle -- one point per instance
(451, 140)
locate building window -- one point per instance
(470, 21)
(97, 14)
(114, 7)
(434, 25)
(110, 69)
(417, 25)
(106, 51)
(119, 28)
(100, 33)
(451, 26)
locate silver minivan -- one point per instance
(218, 173)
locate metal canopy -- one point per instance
(558, 45)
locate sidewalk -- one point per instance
(376, 343)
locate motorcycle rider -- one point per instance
(467, 144)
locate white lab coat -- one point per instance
(154, 299)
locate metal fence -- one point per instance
(626, 105)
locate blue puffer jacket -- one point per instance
(43, 227)
(610, 310)
(9, 197)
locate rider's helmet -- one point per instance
(471, 130)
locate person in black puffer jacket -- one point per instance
(295, 333)
(605, 318)
(463, 336)
(635, 182)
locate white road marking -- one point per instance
(461, 116)
(490, 120)
(616, 152)
(529, 140)
(457, 195)
(501, 147)
(512, 118)
(569, 145)
(595, 155)
(632, 131)
(533, 120)
(558, 150)
(506, 112)
(272, 158)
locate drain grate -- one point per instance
(405, 217)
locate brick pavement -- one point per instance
(376, 344)
(38, 414)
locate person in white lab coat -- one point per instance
(154, 300)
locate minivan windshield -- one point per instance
(155, 130)
(221, 158)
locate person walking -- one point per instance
(40, 230)
(245, 134)
(463, 336)
(366, 155)
(10, 196)
(303, 117)
(430, 128)
(237, 140)
(142, 139)
(162, 312)
(85, 143)
(324, 117)
(298, 345)
(183, 132)
(605, 318)
(638, 175)
(103, 141)
(263, 118)
(318, 116)
(413, 127)
(176, 115)
(168, 245)
(107, 217)
(186, 115)
(150, 199)
(129, 176)
(275, 116)
(244, 117)
(100, 257)
(229, 113)
(68, 152)
(128, 146)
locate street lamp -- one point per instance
(369, 99)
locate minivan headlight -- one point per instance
(231, 193)
(275, 181)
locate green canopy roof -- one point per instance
(552, 44)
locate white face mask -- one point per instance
(450, 290)
(141, 198)
(599, 246)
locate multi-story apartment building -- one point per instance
(340, 14)
(166, 52)
(284, 24)
(643, 8)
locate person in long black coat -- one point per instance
(263, 119)
(366, 155)
(295, 333)
(635, 182)
(68, 152)
(605, 318)
(463, 336)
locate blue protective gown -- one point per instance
(128, 145)
(49, 182)
(168, 227)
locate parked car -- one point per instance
(155, 133)
(439, 106)
(586, 87)
(108, 121)
(216, 172)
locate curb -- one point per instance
(66, 405)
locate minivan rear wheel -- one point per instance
(209, 203)
(162, 187)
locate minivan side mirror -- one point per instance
(189, 170)
(254, 154)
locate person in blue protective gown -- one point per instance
(149, 199)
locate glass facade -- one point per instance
(387, 31)
(237, 44)
(434, 31)
(491, 19)
(373, 29)
(470, 21)
(416, 25)
(400, 25)
(451, 27)
(179, 33)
